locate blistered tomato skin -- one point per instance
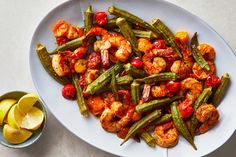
(213, 81)
(173, 86)
(94, 60)
(69, 92)
(186, 109)
(159, 44)
(61, 40)
(137, 62)
(101, 18)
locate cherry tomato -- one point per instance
(213, 81)
(60, 28)
(101, 18)
(69, 92)
(159, 44)
(173, 86)
(137, 62)
(186, 108)
(61, 40)
(94, 60)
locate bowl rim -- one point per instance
(18, 146)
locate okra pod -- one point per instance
(128, 34)
(135, 92)
(159, 77)
(124, 80)
(113, 82)
(88, 19)
(202, 98)
(111, 24)
(179, 123)
(148, 138)
(145, 121)
(144, 34)
(154, 104)
(80, 99)
(133, 71)
(163, 119)
(103, 79)
(197, 55)
(45, 60)
(167, 34)
(71, 45)
(221, 90)
(132, 18)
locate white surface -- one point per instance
(18, 19)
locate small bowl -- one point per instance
(36, 134)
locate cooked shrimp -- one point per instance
(159, 91)
(201, 73)
(166, 135)
(207, 51)
(59, 65)
(181, 68)
(96, 105)
(152, 64)
(108, 98)
(123, 46)
(97, 31)
(193, 86)
(109, 120)
(208, 115)
(144, 45)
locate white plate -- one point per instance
(89, 129)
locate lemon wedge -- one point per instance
(27, 102)
(15, 136)
(14, 117)
(5, 106)
(33, 119)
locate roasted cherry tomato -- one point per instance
(69, 92)
(60, 28)
(173, 86)
(94, 60)
(137, 62)
(61, 40)
(159, 44)
(101, 18)
(213, 81)
(186, 109)
(183, 36)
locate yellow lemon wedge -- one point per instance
(5, 106)
(14, 117)
(26, 102)
(15, 136)
(32, 119)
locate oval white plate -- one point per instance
(89, 129)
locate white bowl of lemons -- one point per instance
(22, 119)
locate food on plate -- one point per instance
(140, 79)
(22, 118)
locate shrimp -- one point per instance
(159, 91)
(59, 65)
(109, 120)
(181, 68)
(193, 86)
(108, 98)
(123, 46)
(153, 67)
(201, 73)
(97, 31)
(96, 105)
(207, 51)
(166, 135)
(144, 45)
(208, 115)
